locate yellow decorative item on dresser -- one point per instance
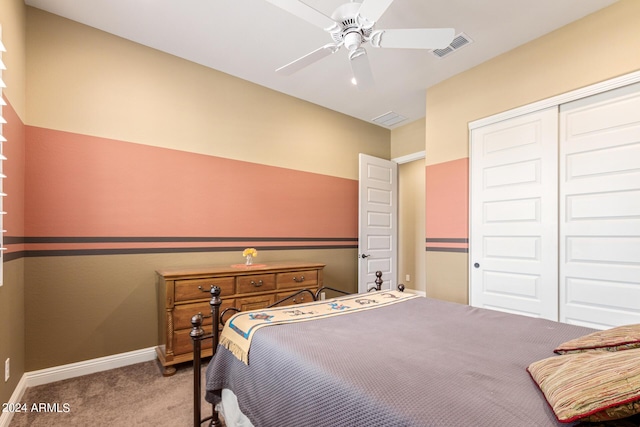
(183, 293)
(249, 253)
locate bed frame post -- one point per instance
(197, 336)
(378, 280)
(215, 304)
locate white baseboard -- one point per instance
(72, 370)
(6, 417)
(63, 372)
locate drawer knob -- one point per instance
(205, 290)
(299, 280)
(257, 284)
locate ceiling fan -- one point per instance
(352, 25)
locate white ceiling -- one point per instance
(251, 38)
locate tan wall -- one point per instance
(411, 211)
(598, 47)
(82, 307)
(13, 20)
(12, 328)
(407, 140)
(106, 86)
(447, 276)
(88, 84)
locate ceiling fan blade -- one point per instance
(306, 12)
(372, 10)
(419, 38)
(361, 69)
(308, 59)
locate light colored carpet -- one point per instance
(135, 395)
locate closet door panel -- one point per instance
(600, 209)
(513, 245)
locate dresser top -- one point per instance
(237, 269)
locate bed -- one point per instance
(420, 362)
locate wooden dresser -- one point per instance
(183, 293)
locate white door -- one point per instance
(377, 225)
(514, 215)
(600, 209)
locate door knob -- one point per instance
(363, 256)
(476, 265)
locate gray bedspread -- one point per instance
(422, 362)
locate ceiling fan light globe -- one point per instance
(352, 40)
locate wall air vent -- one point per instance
(458, 42)
(389, 119)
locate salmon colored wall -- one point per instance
(14, 185)
(88, 188)
(447, 185)
(447, 229)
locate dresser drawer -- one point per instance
(187, 290)
(298, 279)
(299, 299)
(255, 283)
(182, 342)
(255, 303)
(182, 314)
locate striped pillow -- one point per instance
(591, 386)
(615, 339)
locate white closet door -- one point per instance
(600, 209)
(514, 210)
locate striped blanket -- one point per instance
(239, 330)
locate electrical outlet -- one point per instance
(7, 369)
(322, 295)
(407, 277)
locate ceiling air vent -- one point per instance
(389, 119)
(458, 42)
